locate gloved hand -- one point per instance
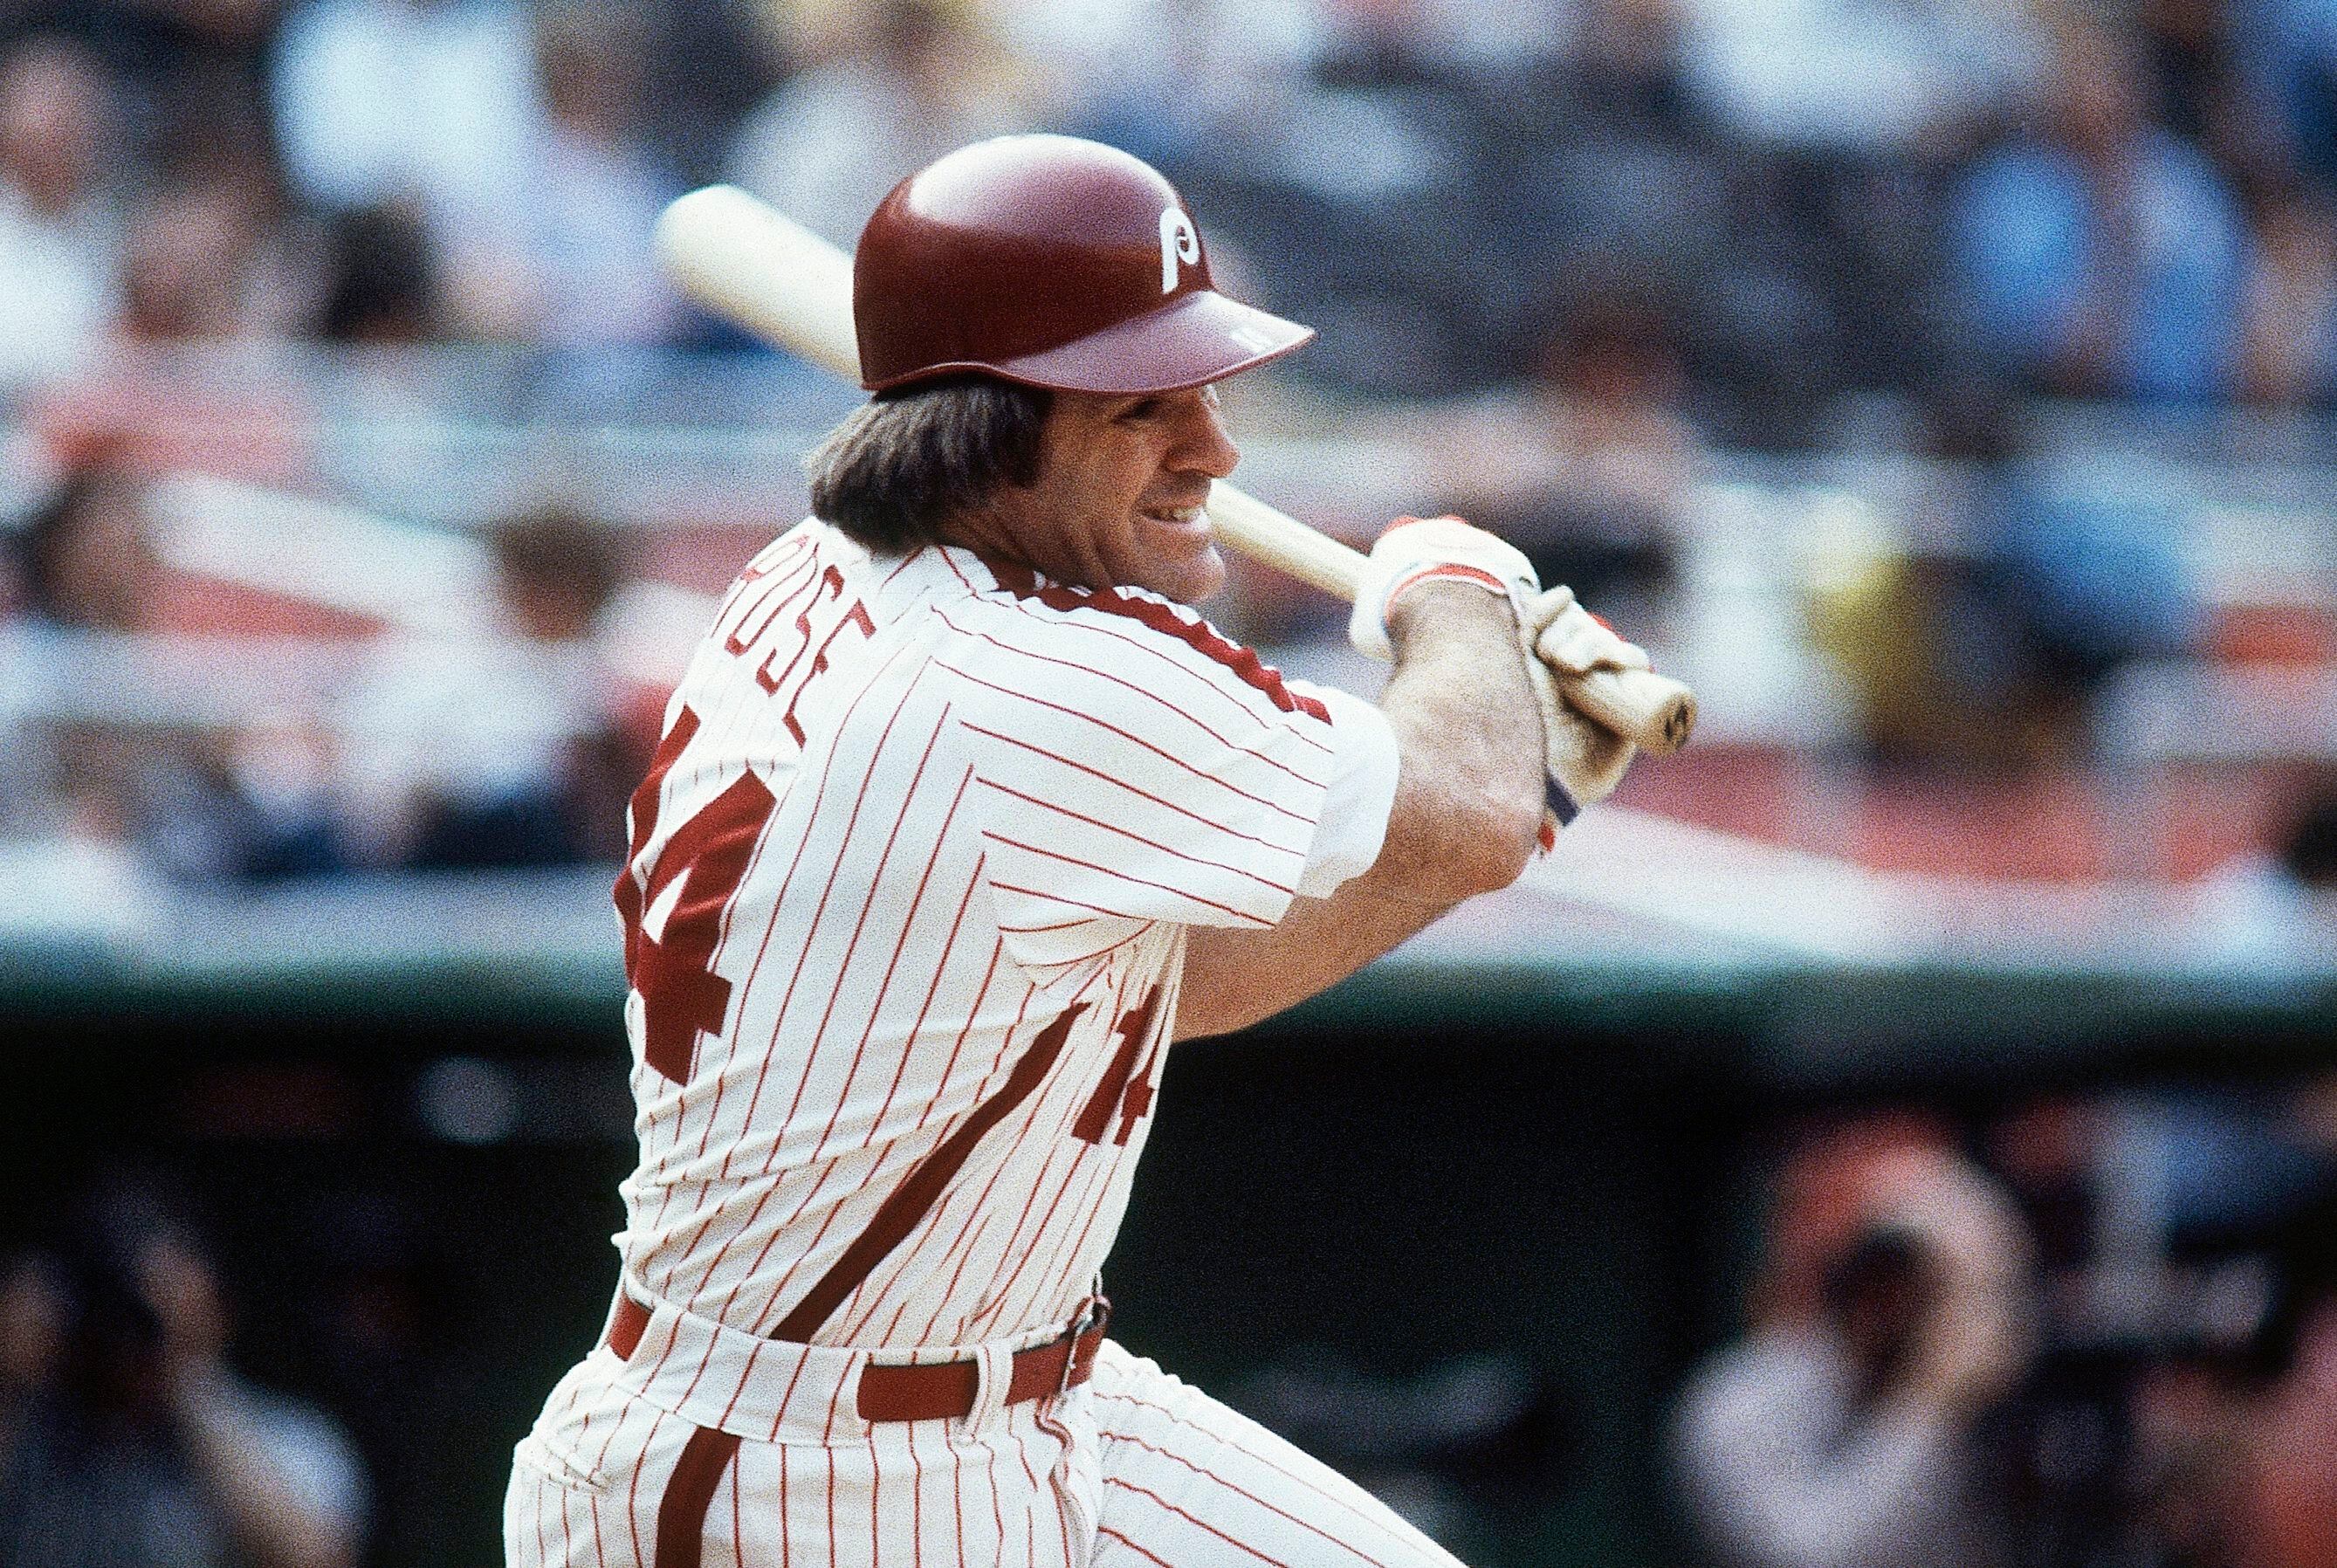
(1414, 551)
(1585, 762)
(1572, 640)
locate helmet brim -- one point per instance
(1200, 338)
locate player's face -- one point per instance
(1118, 499)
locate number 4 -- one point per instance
(682, 995)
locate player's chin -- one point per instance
(1181, 564)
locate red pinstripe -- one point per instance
(1163, 621)
(865, 1301)
(830, 1455)
(1225, 742)
(1176, 1420)
(1066, 965)
(1131, 738)
(1062, 810)
(907, 1205)
(818, 913)
(916, 1501)
(1124, 877)
(771, 1047)
(633, 1492)
(988, 1314)
(1098, 773)
(819, 1030)
(1058, 899)
(1303, 1523)
(980, 1204)
(908, 923)
(860, 926)
(1194, 1518)
(1228, 742)
(1133, 1546)
(1108, 1161)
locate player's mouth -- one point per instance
(1184, 519)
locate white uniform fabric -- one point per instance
(904, 919)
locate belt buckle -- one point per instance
(1095, 1312)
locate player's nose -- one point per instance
(1203, 444)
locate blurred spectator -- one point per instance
(60, 224)
(1979, 640)
(2103, 254)
(168, 56)
(2188, 44)
(1840, 1433)
(595, 192)
(431, 101)
(246, 802)
(85, 557)
(190, 267)
(899, 83)
(125, 1436)
(1179, 82)
(2283, 77)
(2286, 1513)
(1862, 77)
(1588, 468)
(381, 280)
(2281, 903)
(509, 748)
(2288, 347)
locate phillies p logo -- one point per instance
(1178, 243)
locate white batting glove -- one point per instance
(1572, 640)
(1584, 761)
(1414, 551)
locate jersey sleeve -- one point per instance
(1132, 766)
(1359, 797)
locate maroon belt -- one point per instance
(939, 1390)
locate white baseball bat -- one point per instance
(747, 262)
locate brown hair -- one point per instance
(897, 469)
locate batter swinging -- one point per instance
(960, 817)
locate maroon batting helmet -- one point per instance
(1054, 262)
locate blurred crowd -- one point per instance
(511, 740)
(1566, 257)
(1769, 205)
(126, 1435)
(2089, 1329)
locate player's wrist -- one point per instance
(1447, 600)
(1416, 555)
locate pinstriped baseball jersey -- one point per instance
(905, 916)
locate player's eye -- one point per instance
(1142, 408)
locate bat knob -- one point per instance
(1679, 722)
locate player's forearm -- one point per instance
(1467, 807)
(1468, 796)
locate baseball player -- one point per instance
(961, 816)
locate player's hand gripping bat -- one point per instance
(741, 258)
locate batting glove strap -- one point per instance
(1414, 551)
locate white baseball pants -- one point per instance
(1132, 1468)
